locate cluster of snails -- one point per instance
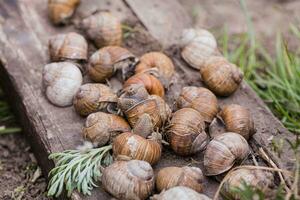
(137, 120)
(199, 50)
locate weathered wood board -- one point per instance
(24, 33)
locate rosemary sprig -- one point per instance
(77, 169)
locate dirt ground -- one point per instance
(18, 167)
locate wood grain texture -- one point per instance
(163, 19)
(24, 33)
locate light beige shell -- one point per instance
(128, 180)
(220, 76)
(180, 192)
(186, 133)
(198, 45)
(200, 99)
(137, 147)
(60, 11)
(100, 127)
(103, 29)
(150, 82)
(238, 119)
(253, 177)
(61, 81)
(104, 62)
(93, 97)
(169, 177)
(158, 61)
(135, 101)
(69, 46)
(223, 152)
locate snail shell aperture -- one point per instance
(200, 99)
(101, 127)
(223, 152)
(198, 45)
(103, 28)
(180, 192)
(169, 177)
(158, 61)
(60, 11)
(61, 81)
(104, 62)
(238, 119)
(93, 97)
(128, 180)
(186, 133)
(150, 82)
(220, 76)
(70, 46)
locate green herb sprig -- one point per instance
(77, 169)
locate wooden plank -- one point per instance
(162, 19)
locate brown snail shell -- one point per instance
(169, 177)
(101, 127)
(104, 62)
(94, 97)
(60, 11)
(103, 29)
(186, 133)
(135, 102)
(198, 45)
(200, 99)
(223, 152)
(253, 177)
(132, 95)
(221, 77)
(155, 106)
(137, 147)
(158, 61)
(150, 82)
(69, 46)
(238, 119)
(128, 180)
(180, 192)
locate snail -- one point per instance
(186, 133)
(150, 82)
(223, 152)
(201, 99)
(100, 127)
(135, 101)
(221, 77)
(156, 61)
(139, 144)
(104, 62)
(253, 177)
(169, 177)
(68, 47)
(103, 29)
(61, 81)
(198, 45)
(60, 11)
(180, 192)
(94, 97)
(128, 180)
(238, 119)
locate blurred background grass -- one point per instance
(7, 120)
